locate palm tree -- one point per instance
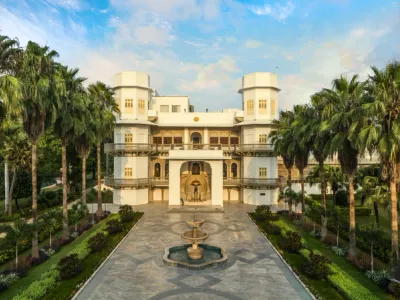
(302, 146)
(342, 107)
(336, 179)
(375, 192)
(40, 87)
(106, 106)
(282, 138)
(70, 115)
(382, 133)
(16, 150)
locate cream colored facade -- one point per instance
(165, 151)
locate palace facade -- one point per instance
(166, 151)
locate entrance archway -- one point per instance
(195, 182)
(195, 138)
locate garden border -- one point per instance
(106, 260)
(283, 260)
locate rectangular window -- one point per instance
(128, 103)
(176, 108)
(273, 107)
(167, 140)
(177, 140)
(234, 140)
(128, 172)
(214, 140)
(224, 140)
(157, 140)
(262, 172)
(262, 138)
(128, 138)
(164, 108)
(141, 106)
(250, 107)
(262, 107)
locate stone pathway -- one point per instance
(136, 270)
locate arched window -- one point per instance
(234, 170)
(195, 169)
(225, 170)
(157, 170)
(166, 169)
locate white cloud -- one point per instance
(152, 35)
(66, 4)
(253, 44)
(277, 11)
(231, 40)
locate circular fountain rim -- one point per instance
(195, 239)
(189, 266)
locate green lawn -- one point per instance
(35, 272)
(322, 288)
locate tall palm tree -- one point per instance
(342, 107)
(40, 87)
(282, 138)
(336, 179)
(70, 121)
(376, 192)
(382, 132)
(302, 145)
(103, 95)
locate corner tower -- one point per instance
(260, 105)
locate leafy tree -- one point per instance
(342, 107)
(51, 218)
(40, 87)
(103, 96)
(337, 216)
(372, 235)
(19, 231)
(78, 211)
(313, 211)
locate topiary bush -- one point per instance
(114, 226)
(317, 267)
(69, 266)
(97, 242)
(394, 288)
(126, 213)
(291, 243)
(342, 198)
(272, 229)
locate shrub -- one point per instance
(340, 251)
(7, 279)
(291, 243)
(3, 286)
(66, 241)
(39, 288)
(330, 239)
(114, 226)
(361, 260)
(379, 277)
(97, 242)
(283, 212)
(272, 229)
(48, 251)
(317, 267)
(359, 211)
(126, 213)
(69, 266)
(23, 266)
(394, 288)
(342, 198)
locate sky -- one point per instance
(202, 48)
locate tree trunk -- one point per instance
(289, 182)
(7, 200)
(337, 235)
(84, 179)
(35, 240)
(16, 256)
(372, 257)
(324, 220)
(376, 212)
(352, 241)
(303, 199)
(65, 232)
(50, 239)
(10, 194)
(99, 202)
(393, 201)
(334, 198)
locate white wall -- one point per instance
(139, 165)
(250, 166)
(140, 134)
(131, 197)
(210, 119)
(183, 101)
(256, 197)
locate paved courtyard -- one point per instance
(136, 270)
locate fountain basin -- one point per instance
(195, 223)
(178, 256)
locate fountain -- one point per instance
(194, 255)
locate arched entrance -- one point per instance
(195, 138)
(195, 182)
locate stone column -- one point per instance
(205, 138)
(186, 138)
(175, 182)
(217, 193)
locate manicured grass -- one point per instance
(35, 272)
(66, 288)
(321, 288)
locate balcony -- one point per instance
(129, 149)
(127, 183)
(261, 183)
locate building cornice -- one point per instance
(132, 87)
(259, 87)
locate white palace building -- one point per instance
(165, 151)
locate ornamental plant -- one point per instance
(126, 213)
(317, 267)
(114, 226)
(69, 266)
(272, 229)
(97, 242)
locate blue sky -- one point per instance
(202, 48)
